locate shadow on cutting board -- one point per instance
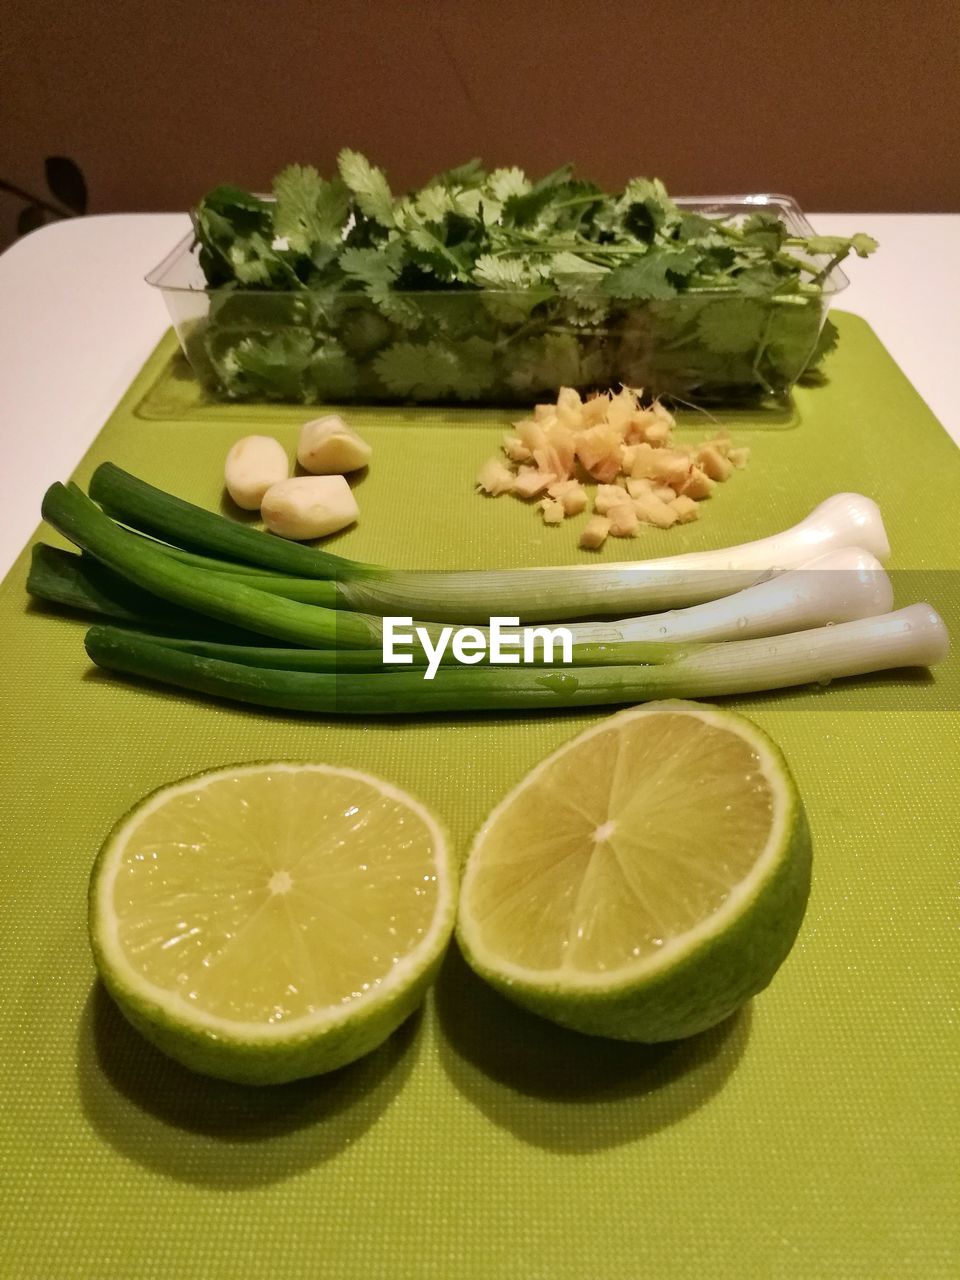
(217, 1134)
(570, 1092)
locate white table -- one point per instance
(77, 322)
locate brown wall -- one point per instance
(845, 104)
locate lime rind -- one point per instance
(262, 1053)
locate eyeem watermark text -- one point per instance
(504, 641)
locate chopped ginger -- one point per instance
(669, 466)
(626, 448)
(595, 532)
(594, 410)
(698, 485)
(623, 520)
(714, 463)
(657, 433)
(515, 449)
(495, 477)
(571, 495)
(599, 452)
(653, 510)
(569, 408)
(622, 408)
(528, 482)
(641, 460)
(607, 497)
(532, 434)
(685, 508)
(553, 512)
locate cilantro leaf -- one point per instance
(379, 271)
(476, 358)
(525, 209)
(695, 228)
(309, 212)
(434, 370)
(333, 374)
(827, 341)
(433, 203)
(863, 245)
(369, 186)
(371, 266)
(446, 249)
(646, 208)
(470, 174)
(506, 273)
(554, 360)
(270, 366)
(732, 325)
(764, 231)
(504, 183)
(657, 274)
(764, 280)
(234, 231)
(424, 369)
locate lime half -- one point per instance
(643, 881)
(263, 922)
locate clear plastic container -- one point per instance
(488, 347)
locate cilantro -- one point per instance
(646, 209)
(835, 246)
(504, 183)
(422, 369)
(487, 285)
(333, 373)
(371, 266)
(567, 264)
(732, 325)
(271, 364)
(765, 231)
(828, 339)
(506, 273)
(234, 231)
(309, 212)
(434, 203)
(368, 185)
(470, 174)
(555, 356)
(656, 274)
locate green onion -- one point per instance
(206, 562)
(60, 577)
(617, 653)
(251, 655)
(216, 595)
(533, 594)
(837, 587)
(80, 582)
(915, 636)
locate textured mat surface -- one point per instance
(813, 1135)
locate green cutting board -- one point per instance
(812, 1135)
